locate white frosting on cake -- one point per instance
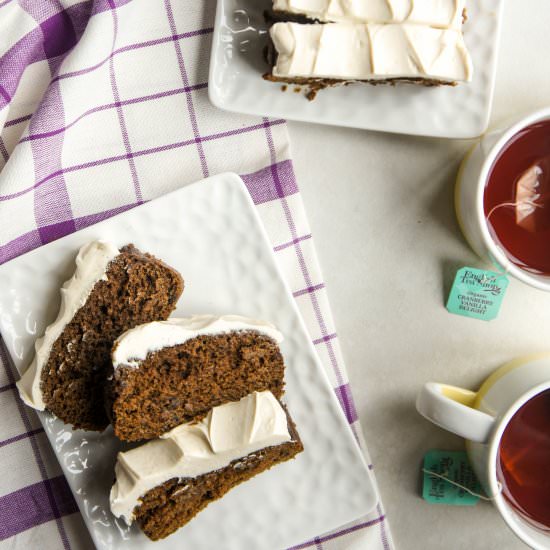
(437, 13)
(228, 432)
(370, 52)
(91, 266)
(135, 344)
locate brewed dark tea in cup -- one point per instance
(523, 463)
(517, 198)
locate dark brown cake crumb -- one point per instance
(181, 383)
(166, 508)
(139, 288)
(311, 95)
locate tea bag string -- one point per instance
(473, 493)
(526, 202)
(500, 269)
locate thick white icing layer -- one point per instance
(228, 432)
(370, 52)
(135, 344)
(437, 13)
(91, 266)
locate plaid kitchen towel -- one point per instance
(103, 106)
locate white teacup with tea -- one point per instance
(502, 198)
(507, 427)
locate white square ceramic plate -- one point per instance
(236, 83)
(210, 232)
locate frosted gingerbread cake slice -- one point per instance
(320, 55)
(110, 292)
(166, 482)
(169, 372)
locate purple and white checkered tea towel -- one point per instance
(103, 106)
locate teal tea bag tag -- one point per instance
(440, 466)
(477, 293)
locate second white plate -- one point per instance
(236, 84)
(210, 232)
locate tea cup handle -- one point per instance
(451, 408)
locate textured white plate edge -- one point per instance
(231, 179)
(474, 132)
(492, 82)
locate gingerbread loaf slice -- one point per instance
(110, 292)
(328, 54)
(166, 482)
(170, 372)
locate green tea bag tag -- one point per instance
(440, 466)
(477, 293)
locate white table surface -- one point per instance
(381, 211)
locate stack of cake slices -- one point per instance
(204, 391)
(321, 43)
